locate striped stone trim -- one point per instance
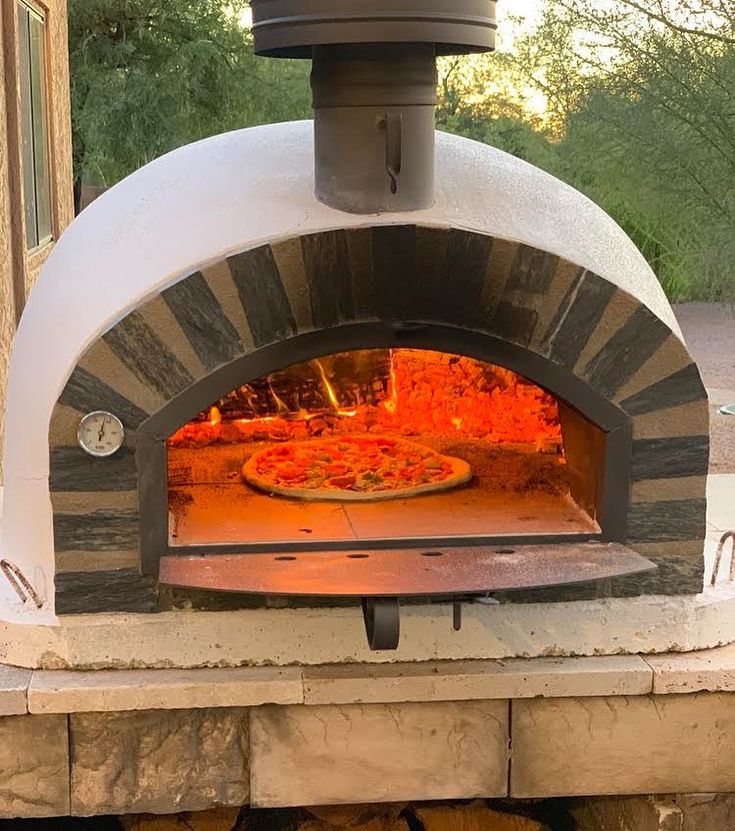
(99, 530)
(101, 361)
(262, 295)
(204, 322)
(289, 259)
(667, 489)
(147, 356)
(681, 387)
(121, 590)
(327, 271)
(572, 317)
(684, 420)
(97, 561)
(669, 458)
(667, 520)
(74, 470)
(576, 318)
(627, 350)
(86, 392)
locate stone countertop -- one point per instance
(62, 691)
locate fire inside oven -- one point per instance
(376, 447)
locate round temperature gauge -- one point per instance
(100, 433)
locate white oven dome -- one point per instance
(226, 194)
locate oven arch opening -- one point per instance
(581, 404)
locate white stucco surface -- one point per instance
(216, 197)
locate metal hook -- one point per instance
(392, 123)
(728, 535)
(20, 583)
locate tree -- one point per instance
(150, 75)
(485, 98)
(640, 93)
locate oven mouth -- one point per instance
(599, 417)
(311, 565)
(383, 448)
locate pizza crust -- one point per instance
(461, 474)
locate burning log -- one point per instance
(341, 381)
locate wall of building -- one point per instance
(18, 267)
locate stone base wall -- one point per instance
(168, 761)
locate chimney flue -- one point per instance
(373, 83)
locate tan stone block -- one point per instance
(619, 309)
(661, 490)
(82, 502)
(473, 817)
(686, 420)
(659, 550)
(160, 318)
(374, 752)
(34, 766)
(158, 761)
(548, 304)
(14, 683)
(712, 670)
(102, 362)
(64, 425)
(219, 279)
(290, 264)
(101, 691)
(623, 745)
(77, 560)
(473, 680)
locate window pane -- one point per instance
(40, 130)
(26, 126)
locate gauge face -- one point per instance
(100, 433)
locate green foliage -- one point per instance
(479, 98)
(150, 75)
(641, 101)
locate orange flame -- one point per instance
(332, 395)
(391, 402)
(281, 406)
(215, 416)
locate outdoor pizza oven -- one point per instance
(321, 375)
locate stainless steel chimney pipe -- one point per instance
(373, 84)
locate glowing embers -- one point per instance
(404, 392)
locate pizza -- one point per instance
(348, 468)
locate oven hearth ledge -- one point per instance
(282, 637)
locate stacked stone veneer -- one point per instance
(215, 315)
(166, 761)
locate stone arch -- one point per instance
(514, 293)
